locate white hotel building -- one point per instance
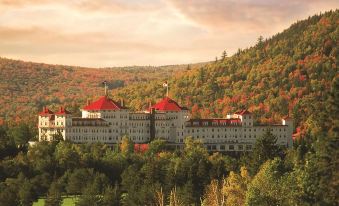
(108, 121)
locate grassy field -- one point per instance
(68, 201)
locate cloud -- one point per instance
(90, 5)
(257, 15)
(141, 32)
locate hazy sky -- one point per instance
(100, 33)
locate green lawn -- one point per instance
(68, 201)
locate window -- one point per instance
(231, 147)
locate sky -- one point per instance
(107, 33)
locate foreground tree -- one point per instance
(126, 146)
(265, 148)
(26, 194)
(214, 194)
(266, 188)
(235, 187)
(111, 196)
(54, 195)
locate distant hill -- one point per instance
(288, 74)
(26, 87)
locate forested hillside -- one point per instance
(26, 87)
(294, 73)
(288, 74)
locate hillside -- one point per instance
(288, 74)
(26, 87)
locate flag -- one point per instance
(165, 84)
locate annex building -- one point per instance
(107, 121)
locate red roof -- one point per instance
(62, 110)
(46, 111)
(104, 103)
(242, 112)
(167, 104)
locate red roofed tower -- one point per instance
(104, 103)
(168, 104)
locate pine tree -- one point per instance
(224, 55)
(111, 196)
(26, 194)
(264, 149)
(54, 195)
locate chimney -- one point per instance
(122, 102)
(88, 102)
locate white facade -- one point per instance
(102, 122)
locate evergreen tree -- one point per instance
(260, 41)
(21, 134)
(224, 55)
(111, 196)
(26, 193)
(90, 197)
(54, 195)
(265, 148)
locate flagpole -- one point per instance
(167, 90)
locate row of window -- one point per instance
(230, 147)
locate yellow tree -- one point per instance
(126, 146)
(174, 199)
(214, 194)
(235, 187)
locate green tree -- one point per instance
(224, 55)
(66, 155)
(8, 195)
(265, 188)
(155, 147)
(111, 196)
(78, 180)
(21, 134)
(235, 187)
(7, 144)
(54, 195)
(26, 194)
(90, 197)
(265, 148)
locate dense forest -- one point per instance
(287, 74)
(94, 174)
(293, 73)
(26, 87)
